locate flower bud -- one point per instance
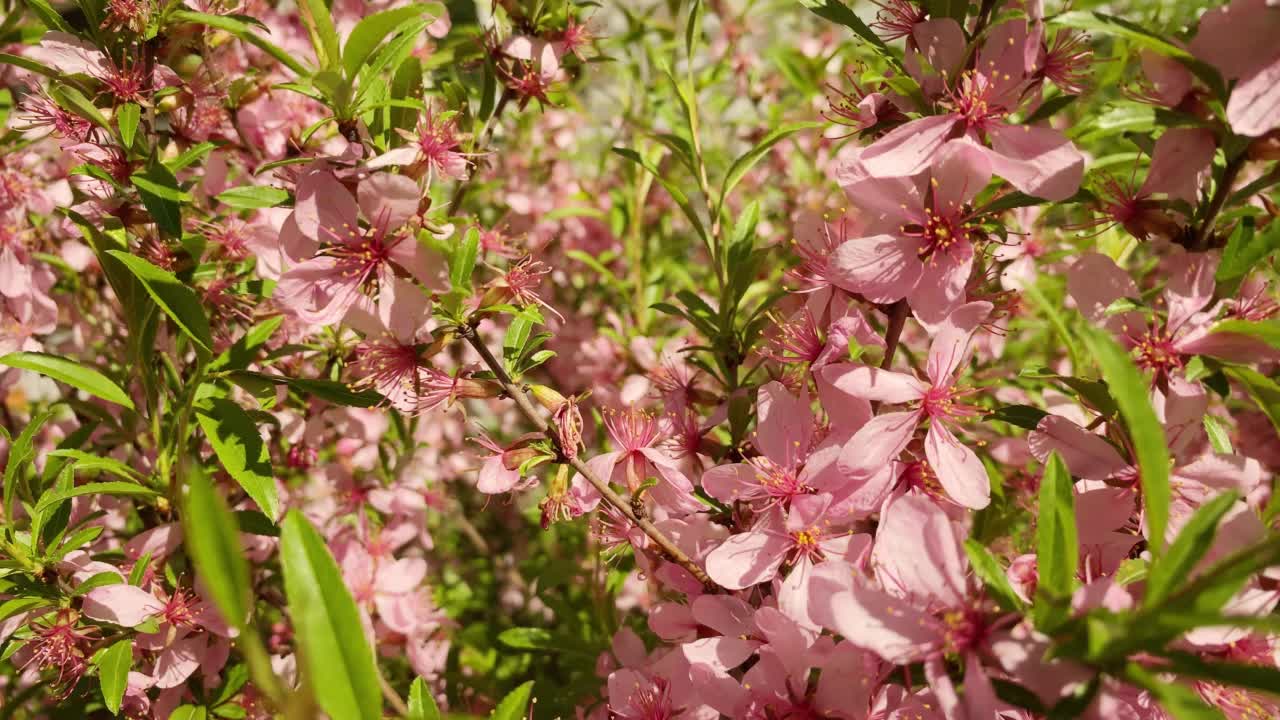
(547, 397)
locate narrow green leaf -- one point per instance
(21, 452)
(334, 392)
(128, 489)
(743, 164)
(462, 262)
(422, 704)
(374, 28)
(1129, 388)
(993, 577)
(13, 606)
(177, 300)
(75, 101)
(250, 197)
(678, 195)
(1023, 416)
(245, 32)
(1245, 251)
(127, 117)
(837, 12)
(162, 197)
(71, 373)
(214, 543)
(240, 449)
(1057, 549)
(336, 657)
(1180, 701)
(515, 705)
(324, 36)
(189, 712)
(98, 580)
(49, 17)
(87, 462)
(1261, 678)
(1187, 549)
(1219, 439)
(113, 673)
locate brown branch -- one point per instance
(897, 320)
(530, 413)
(1219, 199)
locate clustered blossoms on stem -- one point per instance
(359, 360)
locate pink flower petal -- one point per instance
(882, 268)
(918, 554)
(1038, 161)
(869, 383)
(1087, 455)
(785, 424)
(959, 470)
(887, 626)
(909, 148)
(746, 559)
(126, 605)
(878, 443)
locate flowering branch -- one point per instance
(526, 408)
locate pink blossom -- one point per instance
(938, 399)
(351, 260)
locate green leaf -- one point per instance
(87, 462)
(189, 712)
(1180, 701)
(113, 672)
(529, 638)
(837, 12)
(336, 657)
(177, 300)
(98, 580)
(1261, 678)
(1264, 391)
(250, 197)
(21, 452)
(1023, 416)
(515, 705)
(162, 197)
(245, 350)
(127, 116)
(1187, 549)
(422, 704)
(678, 195)
(1219, 439)
(335, 392)
(245, 32)
(71, 373)
(49, 17)
(127, 489)
(1129, 388)
(75, 101)
(240, 449)
(373, 29)
(1268, 331)
(743, 164)
(1245, 251)
(13, 606)
(213, 541)
(993, 577)
(462, 261)
(324, 36)
(1057, 548)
